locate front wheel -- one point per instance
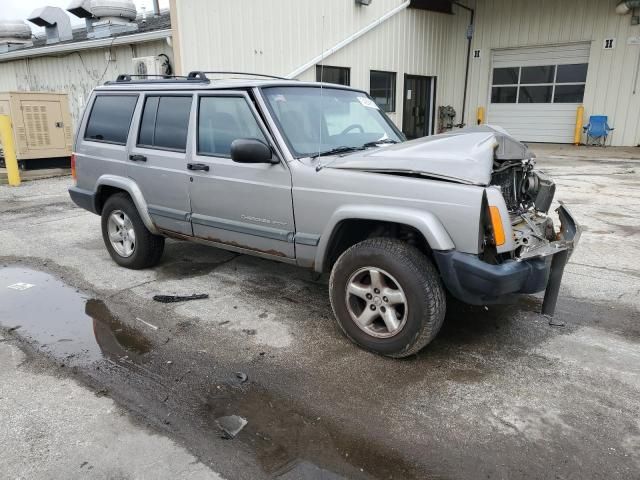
(126, 237)
(387, 297)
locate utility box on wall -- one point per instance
(41, 124)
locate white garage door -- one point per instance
(535, 91)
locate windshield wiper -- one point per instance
(375, 143)
(338, 150)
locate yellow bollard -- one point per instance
(10, 159)
(577, 136)
(480, 115)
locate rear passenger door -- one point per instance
(240, 204)
(157, 158)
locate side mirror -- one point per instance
(251, 150)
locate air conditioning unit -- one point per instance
(147, 66)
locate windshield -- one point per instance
(315, 123)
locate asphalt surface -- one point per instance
(99, 381)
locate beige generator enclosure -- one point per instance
(41, 125)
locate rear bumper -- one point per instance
(473, 281)
(83, 198)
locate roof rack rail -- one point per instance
(200, 75)
(140, 78)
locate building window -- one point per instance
(110, 118)
(165, 122)
(539, 84)
(383, 89)
(338, 75)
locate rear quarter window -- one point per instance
(110, 118)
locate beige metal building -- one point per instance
(76, 60)
(531, 63)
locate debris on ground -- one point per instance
(147, 323)
(231, 425)
(13, 329)
(179, 298)
(103, 392)
(242, 377)
(554, 322)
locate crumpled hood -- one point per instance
(462, 156)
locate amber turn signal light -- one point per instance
(496, 224)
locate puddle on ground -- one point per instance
(289, 443)
(64, 322)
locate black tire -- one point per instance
(148, 247)
(417, 277)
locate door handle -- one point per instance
(198, 166)
(138, 158)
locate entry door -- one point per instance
(240, 204)
(157, 159)
(418, 106)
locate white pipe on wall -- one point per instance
(348, 40)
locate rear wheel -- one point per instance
(387, 297)
(126, 237)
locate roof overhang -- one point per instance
(86, 45)
(442, 6)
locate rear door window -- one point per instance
(110, 118)
(165, 122)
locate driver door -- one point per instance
(240, 204)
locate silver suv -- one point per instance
(317, 175)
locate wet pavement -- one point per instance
(62, 321)
(498, 394)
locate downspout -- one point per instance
(348, 40)
(466, 73)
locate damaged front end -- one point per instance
(522, 252)
(528, 195)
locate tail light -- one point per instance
(73, 167)
(497, 228)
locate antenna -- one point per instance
(321, 94)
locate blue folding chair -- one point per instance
(598, 130)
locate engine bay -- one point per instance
(528, 194)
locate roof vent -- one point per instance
(55, 21)
(113, 17)
(82, 9)
(14, 34)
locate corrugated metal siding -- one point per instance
(272, 37)
(519, 23)
(76, 73)
(276, 37)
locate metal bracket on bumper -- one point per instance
(569, 236)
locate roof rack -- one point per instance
(200, 75)
(133, 78)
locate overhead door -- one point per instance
(535, 91)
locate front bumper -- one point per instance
(476, 282)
